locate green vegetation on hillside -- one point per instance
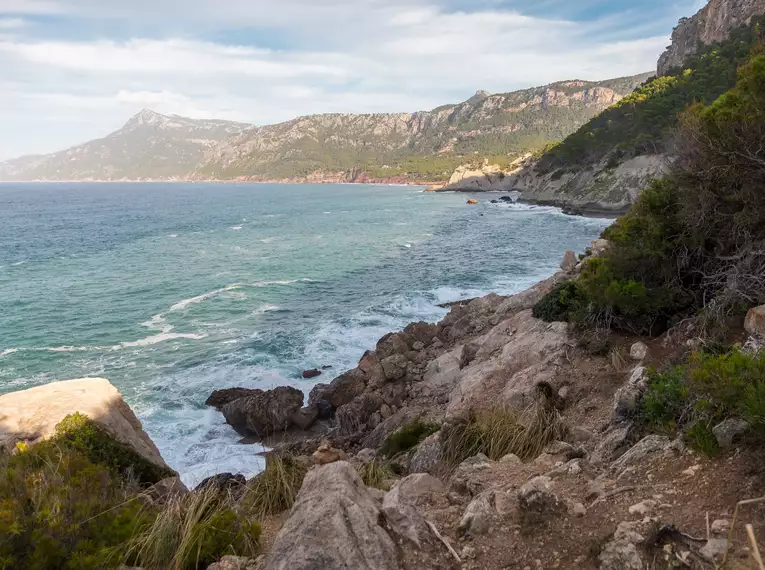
(694, 241)
(642, 122)
(710, 388)
(80, 501)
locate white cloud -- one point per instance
(354, 56)
(31, 7)
(11, 23)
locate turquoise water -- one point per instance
(174, 290)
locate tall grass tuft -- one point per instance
(275, 490)
(193, 531)
(377, 474)
(499, 431)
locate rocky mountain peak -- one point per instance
(479, 97)
(713, 23)
(146, 117)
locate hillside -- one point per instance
(612, 157)
(335, 147)
(149, 146)
(426, 145)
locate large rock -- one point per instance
(220, 398)
(478, 516)
(628, 397)
(428, 456)
(31, 415)
(264, 413)
(537, 502)
(727, 431)
(531, 355)
(342, 390)
(333, 524)
(570, 261)
(645, 448)
(755, 322)
(621, 552)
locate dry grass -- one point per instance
(500, 431)
(618, 359)
(377, 474)
(194, 530)
(275, 490)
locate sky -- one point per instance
(74, 70)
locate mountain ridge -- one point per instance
(330, 147)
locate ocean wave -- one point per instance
(18, 263)
(161, 337)
(267, 309)
(281, 282)
(269, 239)
(236, 228)
(180, 305)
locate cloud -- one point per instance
(334, 56)
(11, 23)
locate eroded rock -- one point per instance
(729, 430)
(478, 516)
(537, 502)
(333, 524)
(428, 456)
(264, 412)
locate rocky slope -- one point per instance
(602, 494)
(712, 23)
(149, 147)
(425, 145)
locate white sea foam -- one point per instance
(172, 235)
(161, 337)
(8, 351)
(180, 305)
(269, 239)
(18, 263)
(236, 228)
(266, 309)
(280, 282)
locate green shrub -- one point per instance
(558, 303)
(79, 432)
(58, 509)
(667, 399)
(275, 489)
(407, 437)
(708, 389)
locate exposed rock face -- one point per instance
(333, 524)
(537, 502)
(220, 398)
(712, 23)
(31, 415)
(263, 413)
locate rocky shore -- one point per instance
(584, 487)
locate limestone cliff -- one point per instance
(711, 24)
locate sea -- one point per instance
(173, 290)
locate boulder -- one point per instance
(755, 322)
(478, 516)
(342, 390)
(394, 366)
(428, 456)
(621, 552)
(305, 417)
(325, 454)
(422, 332)
(403, 519)
(614, 442)
(313, 373)
(355, 416)
(223, 482)
(646, 447)
(570, 261)
(638, 351)
(235, 563)
(220, 398)
(467, 476)
(264, 413)
(32, 415)
(472, 202)
(537, 502)
(335, 523)
(627, 398)
(598, 247)
(420, 487)
(392, 343)
(370, 366)
(728, 430)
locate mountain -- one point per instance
(400, 147)
(610, 159)
(713, 23)
(423, 145)
(149, 146)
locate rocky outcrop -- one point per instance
(262, 413)
(32, 415)
(713, 23)
(335, 523)
(755, 322)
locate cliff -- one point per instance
(713, 23)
